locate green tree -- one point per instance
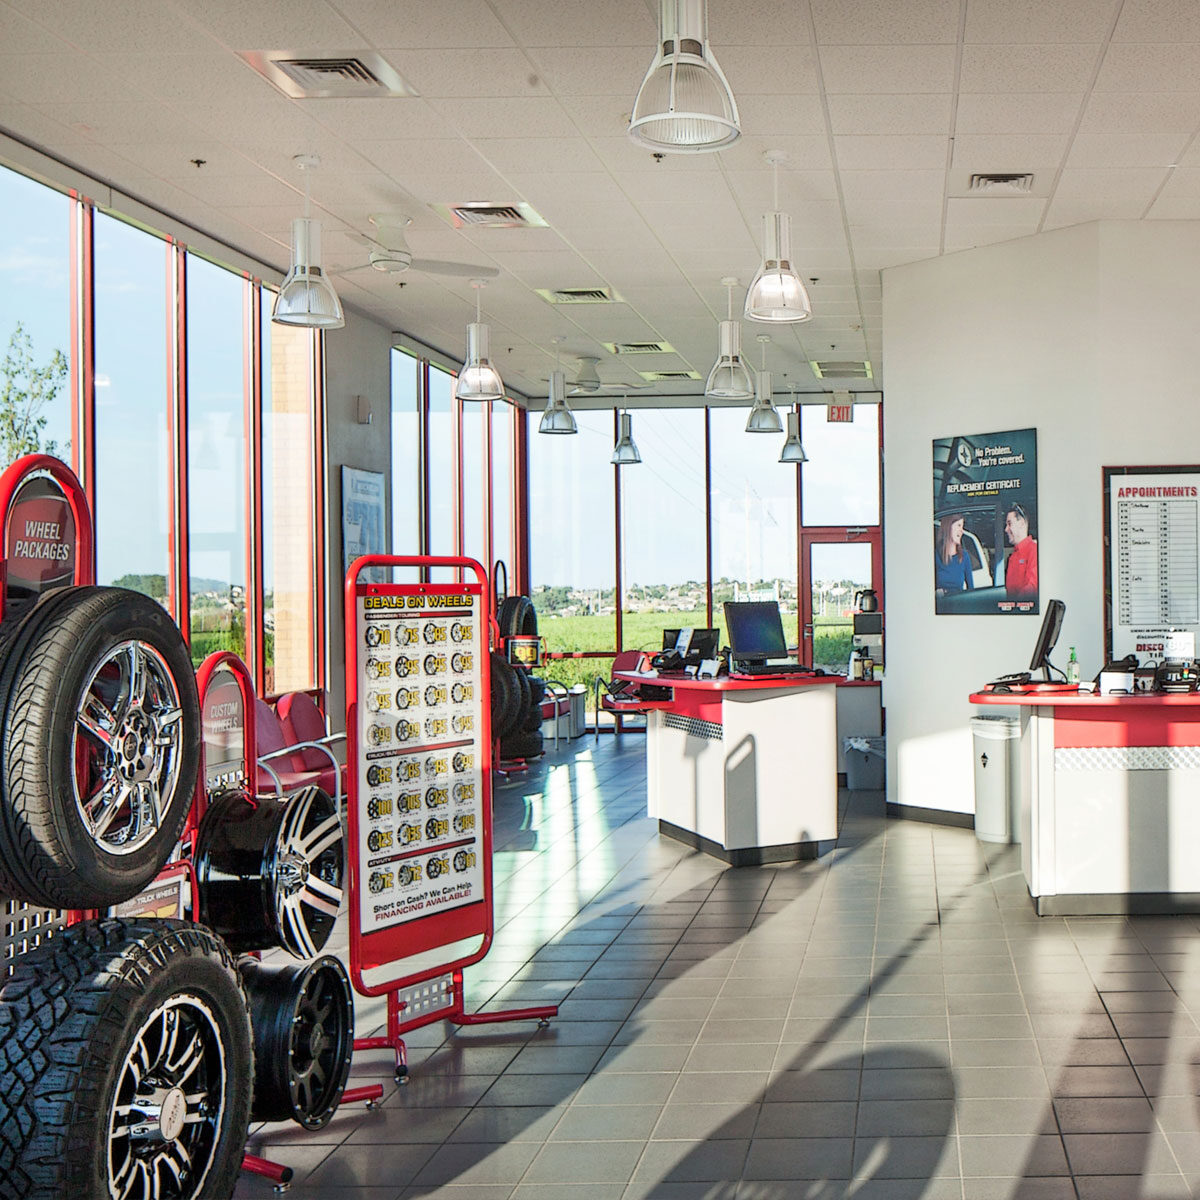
(26, 392)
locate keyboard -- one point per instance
(775, 668)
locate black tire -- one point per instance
(505, 696)
(517, 617)
(537, 689)
(91, 1029)
(525, 701)
(533, 722)
(522, 745)
(102, 710)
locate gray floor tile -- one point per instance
(585, 1162)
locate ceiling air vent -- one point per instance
(638, 347)
(1002, 184)
(481, 215)
(665, 376)
(583, 295)
(841, 370)
(355, 75)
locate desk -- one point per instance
(744, 769)
(1109, 796)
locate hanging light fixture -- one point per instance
(764, 418)
(557, 418)
(306, 297)
(777, 292)
(478, 379)
(625, 452)
(730, 377)
(685, 104)
(793, 448)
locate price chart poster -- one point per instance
(985, 523)
(1152, 559)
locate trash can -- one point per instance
(578, 695)
(866, 759)
(995, 741)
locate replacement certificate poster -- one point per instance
(420, 784)
(985, 523)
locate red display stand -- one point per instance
(418, 728)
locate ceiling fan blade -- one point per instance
(466, 270)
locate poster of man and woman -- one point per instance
(985, 551)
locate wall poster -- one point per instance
(985, 550)
(1152, 559)
(363, 522)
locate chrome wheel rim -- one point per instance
(307, 873)
(167, 1111)
(126, 747)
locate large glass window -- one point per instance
(502, 484)
(837, 571)
(663, 570)
(35, 319)
(443, 488)
(753, 520)
(841, 477)
(133, 517)
(289, 617)
(216, 459)
(406, 454)
(474, 481)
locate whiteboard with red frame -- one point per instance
(418, 726)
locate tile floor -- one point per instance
(891, 1022)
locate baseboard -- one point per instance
(749, 856)
(1117, 904)
(931, 816)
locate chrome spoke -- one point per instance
(294, 922)
(320, 839)
(290, 835)
(193, 1057)
(137, 676)
(93, 728)
(308, 895)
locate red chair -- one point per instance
(304, 726)
(280, 767)
(618, 696)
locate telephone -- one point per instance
(667, 660)
(1177, 675)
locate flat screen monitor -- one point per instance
(1047, 637)
(704, 644)
(755, 630)
(670, 637)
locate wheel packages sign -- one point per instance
(421, 753)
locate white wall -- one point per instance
(1087, 334)
(357, 363)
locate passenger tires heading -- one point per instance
(100, 749)
(125, 1066)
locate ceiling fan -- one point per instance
(389, 252)
(587, 380)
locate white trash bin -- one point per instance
(578, 696)
(995, 740)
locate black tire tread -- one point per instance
(517, 617)
(62, 998)
(522, 745)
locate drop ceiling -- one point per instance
(884, 108)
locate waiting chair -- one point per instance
(280, 767)
(618, 696)
(304, 726)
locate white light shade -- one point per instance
(558, 417)
(625, 451)
(306, 297)
(685, 105)
(777, 293)
(478, 380)
(587, 378)
(793, 448)
(764, 418)
(730, 377)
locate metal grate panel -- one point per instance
(426, 997)
(25, 927)
(708, 730)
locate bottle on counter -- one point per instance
(868, 668)
(1072, 667)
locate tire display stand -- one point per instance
(420, 814)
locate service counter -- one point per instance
(744, 769)
(1108, 790)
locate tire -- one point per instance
(522, 745)
(505, 695)
(114, 1023)
(533, 722)
(102, 710)
(517, 617)
(537, 689)
(526, 698)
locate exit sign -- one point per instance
(840, 412)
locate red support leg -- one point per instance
(269, 1170)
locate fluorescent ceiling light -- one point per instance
(793, 448)
(776, 292)
(306, 297)
(730, 378)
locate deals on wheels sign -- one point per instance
(420, 755)
(985, 531)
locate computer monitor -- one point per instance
(1047, 636)
(670, 637)
(755, 630)
(704, 644)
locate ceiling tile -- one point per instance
(755, 190)
(883, 22)
(68, 78)
(619, 153)
(475, 73)
(579, 71)
(19, 35)
(1164, 67)
(680, 187)
(1081, 210)
(755, 23)
(887, 69)
(1026, 112)
(1019, 152)
(1125, 150)
(113, 121)
(965, 237)
(601, 23)
(1175, 208)
(909, 153)
(1064, 68)
(516, 116)
(882, 257)
(890, 114)
(1138, 112)
(598, 116)
(465, 24)
(302, 26)
(1158, 21)
(1182, 184)
(919, 187)
(444, 156)
(1009, 212)
(1132, 188)
(800, 115)
(392, 119)
(1032, 21)
(792, 71)
(527, 156)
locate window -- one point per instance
(216, 459)
(35, 318)
(841, 477)
(288, 535)
(133, 516)
(473, 476)
(503, 483)
(406, 454)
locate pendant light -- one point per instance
(685, 104)
(625, 452)
(478, 379)
(730, 377)
(777, 292)
(764, 418)
(557, 418)
(306, 297)
(793, 448)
